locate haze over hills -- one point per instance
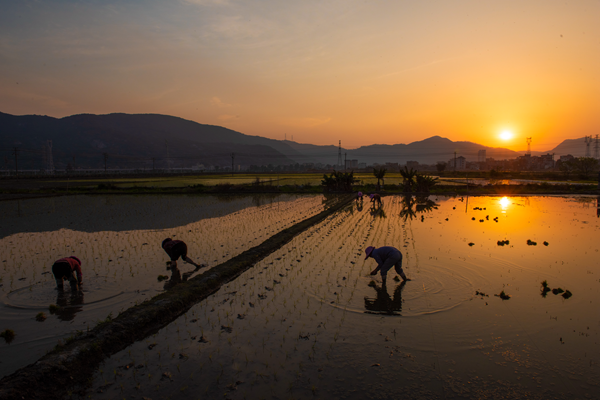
(141, 140)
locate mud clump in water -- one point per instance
(503, 295)
(8, 335)
(53, 308)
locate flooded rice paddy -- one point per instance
(118, 240)
(309, 320)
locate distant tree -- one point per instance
(424, 183)
(379, 174)
(339, 181)
(408, 178)
(585, 166)
(441, 166)
(566, 167)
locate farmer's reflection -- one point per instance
(177, 277)
(383, 303)
(70, 303)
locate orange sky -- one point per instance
(363, 72)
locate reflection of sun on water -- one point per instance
(504, 203)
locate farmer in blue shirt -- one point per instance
(386, 257)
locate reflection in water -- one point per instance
(359, 203)
(383, 303)
(378, 212)
(504, 203)
(70, 303)
(177, 278)
(423, 204)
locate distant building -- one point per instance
(351, 164)
(392, 166)
(547, 161)
(362, 165)
(412, 164)
(481, 156)
(461, 164)
(566, 158)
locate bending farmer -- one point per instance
(375, 199)
(176, 249)
(66, 268)
(386, 257)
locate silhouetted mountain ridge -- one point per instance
(144, 140)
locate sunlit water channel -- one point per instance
(309, 320)
(118, 239)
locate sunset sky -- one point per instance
(361, 71)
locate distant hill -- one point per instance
(574, 147)
(428, 151)
(144, 140)
(131, 141)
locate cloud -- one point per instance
(215, 101)
(226, 117)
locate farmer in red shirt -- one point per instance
(176, 249)
(67, 268)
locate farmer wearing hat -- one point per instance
(176, 249)
(375, 199)
(386, 257)
(67, 268)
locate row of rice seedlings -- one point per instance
(98, 250)
(268, 311)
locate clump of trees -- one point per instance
(339, 181)
(582, 166)
(414, 181)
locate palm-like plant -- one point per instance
(408, 178)
(379, 174)
(424, 183)
(339, 181)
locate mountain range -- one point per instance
(158, 141)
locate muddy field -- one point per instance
(118, 241)
(309, 320)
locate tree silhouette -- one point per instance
(408, 178)
(379, 174)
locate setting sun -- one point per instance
(506, 135)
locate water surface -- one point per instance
(309, 320)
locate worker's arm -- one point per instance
(376, 270)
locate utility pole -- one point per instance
(16, 153)
(455, 161)
(168, 159)
(529, 146)
(340, 154)
(232, 158)
(345, 161)
(588, 140)
(105, 155)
